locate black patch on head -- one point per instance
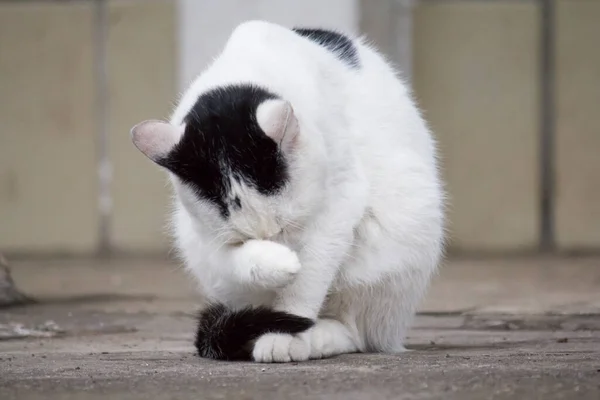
(335, 42)
(222, 139)
(224, 334)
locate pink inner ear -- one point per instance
(276, 118)
(155, 138)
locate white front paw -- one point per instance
(269, 264)
(280, 348)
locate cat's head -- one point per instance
(237, 163)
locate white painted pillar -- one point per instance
(205, 25)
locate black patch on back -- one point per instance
(335, 42)
(222, 138)
(224, 334)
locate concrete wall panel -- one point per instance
(48, 194)
(476, 78)
(578, 125)
(142, 57)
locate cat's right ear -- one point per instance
(155, 138)
(277, 120)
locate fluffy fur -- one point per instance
(306, 183)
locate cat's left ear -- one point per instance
(277, 120)
(155, 139)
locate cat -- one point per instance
(308, 201)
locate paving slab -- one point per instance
(124, 329)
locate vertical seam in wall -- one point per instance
(104, 165)
(547, 124)
(405, 8)
(182, 45)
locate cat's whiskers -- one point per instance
(217, 242)
(293, 224)
(217, 249)
(220, 232)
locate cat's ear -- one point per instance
(155, 138)
(276, 118)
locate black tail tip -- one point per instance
(224, 334)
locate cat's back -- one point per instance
(382, 110)
(318, 66)
(318, 70)
(265, 54)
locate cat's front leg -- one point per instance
(326, 338)
(265, 264)
(321, 257)
(326, 244)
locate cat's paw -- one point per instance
(280, 348)
(269, 264)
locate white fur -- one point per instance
(356, 236)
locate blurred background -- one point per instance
(511, 88)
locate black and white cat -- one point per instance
(308, 201)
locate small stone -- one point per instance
(562, 340)
(9, 294)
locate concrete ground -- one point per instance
(494, 329)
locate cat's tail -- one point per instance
(225, 334)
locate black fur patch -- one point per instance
(229, 335)
(222, 138)
(335, 42)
